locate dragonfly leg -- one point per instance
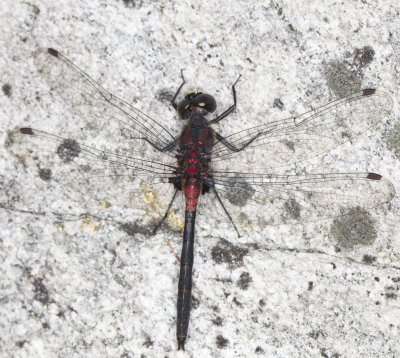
(232, 147)
(211, 184)
(166, 213)
(173, 102)
(169, 147)
(231, 108)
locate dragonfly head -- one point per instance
(196, 100)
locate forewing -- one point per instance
(270, 199)
(100, 111)
(291, 140)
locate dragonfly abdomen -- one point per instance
(185, 280)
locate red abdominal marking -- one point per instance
(192, 169)
(193, 163)
(192, 192)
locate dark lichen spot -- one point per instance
(278, 103)
(261, 303)
(225, 252)
(289, 144)
(390, 295)
(41, 292)
(244, 281)
(45, 325)
(194, 302)
(164, 96)
(68, 150)
(341, 80)
(127, 354)
(20, 344)
(363, 56)
(45, 174)
(367, 259)
(148, 342)
(237, 302)
(315, 334)
(239, 192)
(259, 350)
(376, 279)
(393, 140)
(132, 3)
(6, 89)
(221, 342)
(292, 209)
(323, 353)
(354, 228)
(310, 285)
(217, 321)
(132, 229)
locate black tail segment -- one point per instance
(185, 280)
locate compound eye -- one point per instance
(192, 94)
(205, 101)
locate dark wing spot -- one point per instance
(368, 92)
(53, 52)
(374, 176)
(68, 150)
(28, 131)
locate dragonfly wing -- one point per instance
(104, 175)
(102, 113)
(291, 140)
(270, 199)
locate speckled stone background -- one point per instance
(85, 281)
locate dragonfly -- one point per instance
(116, 152)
